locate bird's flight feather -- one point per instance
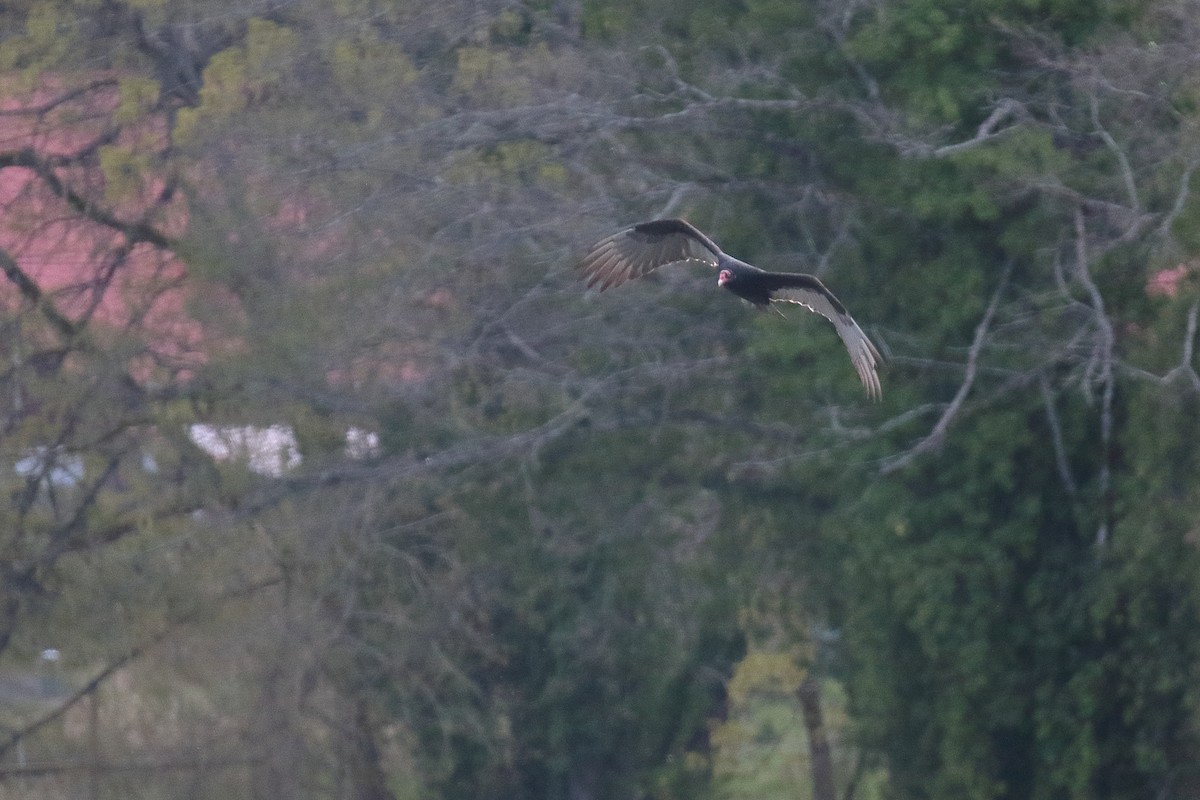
(636, 251)
(812, 294)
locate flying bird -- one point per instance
(645, 247)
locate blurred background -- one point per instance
(323, 476)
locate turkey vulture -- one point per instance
(647, 246)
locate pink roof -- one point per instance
(88, 269)
(1165, 283)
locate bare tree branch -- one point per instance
(39, 770)
(1181, 196)
(1184, 369)
(1103, 358)
(987, 130)
(836, 22)
(886, 128)
(938, 434)
(1127, 177)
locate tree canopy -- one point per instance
(327, 478)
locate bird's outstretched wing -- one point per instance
(807, 291)
(645, 247)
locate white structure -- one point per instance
(273, 450)
(267, 451)
(52, 465)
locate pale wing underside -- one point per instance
(636, 251)
(862, 352)
(644, 248)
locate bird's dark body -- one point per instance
(758, 286)
(643, 248)
(749, 282)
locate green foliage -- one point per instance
(584, 506)
(1002, 658)
(38, 44)
(582, 584)
(239, 76)
(123, 171)
(762, 747)
(367, 61)
(938, 55)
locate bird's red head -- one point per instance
(725, 277)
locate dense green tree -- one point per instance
(1000, 580)
(581, 507)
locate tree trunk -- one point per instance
(809, 694)
(366, 768)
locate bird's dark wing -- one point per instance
(643, 248)
(807, 291)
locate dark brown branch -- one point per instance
(81, 693)
(66, 97)
(128, 657)
(134, 232)
(33, 293)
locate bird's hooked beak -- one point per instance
(725, 277)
